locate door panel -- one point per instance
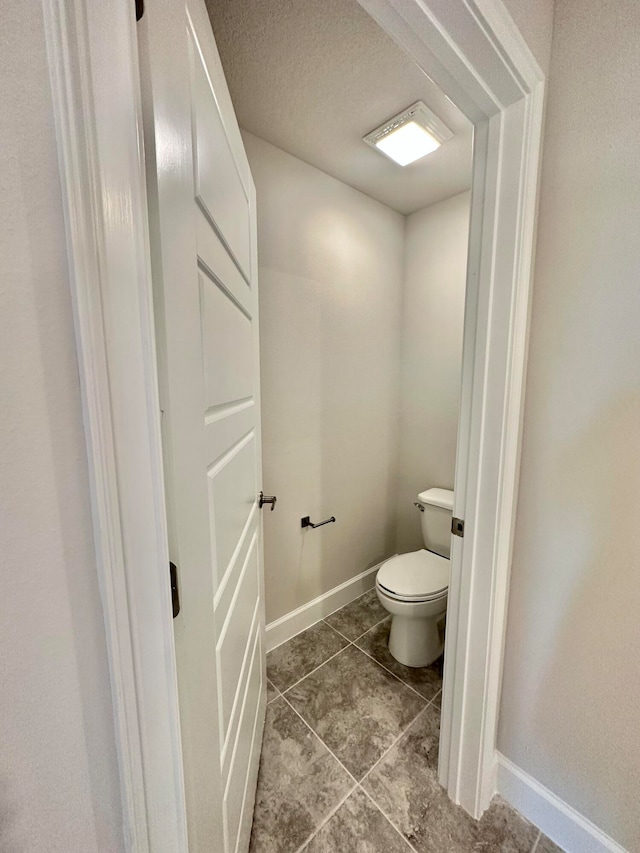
(233, 644)
(203, 241)
(237, 803)
(227, 424)
(229, 582)
(231, 498)
(227, 333)
(212, 255)
(218, 185)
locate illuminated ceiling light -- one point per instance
(410, 135)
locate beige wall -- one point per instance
(534, 19)
(58, 774)
(571, 692)
(433, 313)
(330, 301)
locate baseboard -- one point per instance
(304, 617)
(558, 820)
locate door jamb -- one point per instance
(474, 52)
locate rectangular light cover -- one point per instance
(408, 143)
(410, 135)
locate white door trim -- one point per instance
(473, 51)
(93, 61)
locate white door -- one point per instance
(203, 239)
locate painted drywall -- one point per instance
(281, 57)
(330, 267)
(571, 690)
(58, 775)
(432, 323)
(534, 19)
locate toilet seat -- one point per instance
(416, 576)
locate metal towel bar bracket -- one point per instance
(306, 522)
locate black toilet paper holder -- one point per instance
(306, 522)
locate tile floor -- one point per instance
(350, 752)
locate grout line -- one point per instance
(388, 819)
(315, 669)
(379, 622)
(353, 600)
(288, 640)
(400, 736)
(325, 820)
(353, 643)
(278, 693)
(402, 733)
(324, 619)
(424, 699)
(335, 631)
(316, 735)
(357, 785)
(537, 841)
(360, 636)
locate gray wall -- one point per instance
(330, 300)
(435, 267)
(58, 775)
(571, 689)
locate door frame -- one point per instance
(474, 52)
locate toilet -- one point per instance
(413, 587)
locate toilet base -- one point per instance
(415, 642)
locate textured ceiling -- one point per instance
(314, 76)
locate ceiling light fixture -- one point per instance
(410, 135)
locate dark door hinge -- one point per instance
(175, 595)
(457, 527)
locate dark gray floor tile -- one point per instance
(299, 783)
(357, 826)
(427, 680)
(356, 707)
(546, 845)
(297, 657)
(406, 788)
(503, 829)
(272, 692)
(358, 616)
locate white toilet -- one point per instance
(413, 587)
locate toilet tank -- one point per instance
(436, 520)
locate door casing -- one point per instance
(476, 55)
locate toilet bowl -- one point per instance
(413, 587)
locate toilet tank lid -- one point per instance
(437, 497)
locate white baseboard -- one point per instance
(304, 617)
(558, 820)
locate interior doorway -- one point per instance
(482, 66)
(362, 276)
(360, 358)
